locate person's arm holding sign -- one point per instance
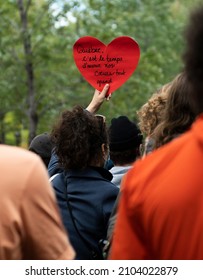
(98, 99)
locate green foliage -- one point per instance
(54, 26)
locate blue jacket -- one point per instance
(53, 166)
(92, 197)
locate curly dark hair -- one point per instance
(78, 137)
(193, 58)
(178, 114)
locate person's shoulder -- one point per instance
(151, 166)
(14, 153)
(23, 164)
(102, 177)
(27, 169)
(109, 189)
(107, 181)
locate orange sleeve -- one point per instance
(126, 244)
(44, 233)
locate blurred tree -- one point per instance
(34, 82)
(39, 77)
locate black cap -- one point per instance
(124, 134)
(42, 145)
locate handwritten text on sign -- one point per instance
(100, 64)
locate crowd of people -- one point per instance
(89, 191)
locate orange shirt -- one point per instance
(30, 224)
(161, 209)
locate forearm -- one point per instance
(98, 99)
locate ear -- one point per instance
(104, 148)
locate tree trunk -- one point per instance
(32, 108)
(2, 128)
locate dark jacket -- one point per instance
(91, 196)
(54, 166)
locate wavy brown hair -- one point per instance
(78, 137)
(178, 114)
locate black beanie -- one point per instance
(42, 145)
(124, 134)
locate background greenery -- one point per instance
(38, 77)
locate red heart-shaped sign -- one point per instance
(112, 64)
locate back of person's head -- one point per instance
(150, 113)
(178, 114)
(81, 139)
(42, 145)
(193, 59)
(125, 140)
